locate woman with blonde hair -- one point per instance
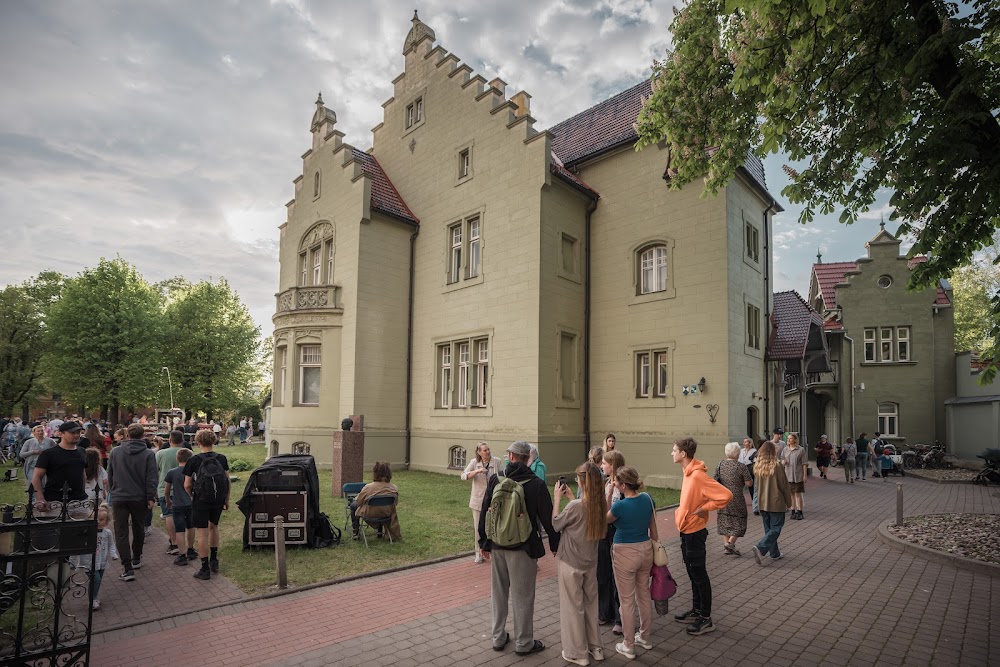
(732, 519)
(608, 610)
(581, 526)
(479, 471)
(632, 556)
(793, 458)
(773, 498)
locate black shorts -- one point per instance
(202, 515)
(822, 461)
(182, 518)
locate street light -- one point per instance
(170, 385)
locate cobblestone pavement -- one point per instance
(839, 597)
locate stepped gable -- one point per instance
(385, 197)
(792, 318)
(941, 299)
(829, 275)
(611, 124)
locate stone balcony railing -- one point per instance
(307, 298)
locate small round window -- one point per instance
(884, 281)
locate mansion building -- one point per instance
(472, 277)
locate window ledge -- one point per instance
(465, 282)
(660, 402)
(888, 363)
(753, 351)
(462, 412)
(640, 299)
(752, 263)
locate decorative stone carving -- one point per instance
(307, 333)
(285, 302)
(312, 298)
(317, 233)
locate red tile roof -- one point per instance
(610, 124)
(792, 319)
(828, 275)
(833, 325)
(385, 197)
(575, 181)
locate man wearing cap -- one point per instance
(515, 568)
(58, 466)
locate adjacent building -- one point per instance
(472, 277)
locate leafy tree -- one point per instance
(862, 96)
(103, 337)
(22, 326)
(973, 286)
(211, 346)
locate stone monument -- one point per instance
(348, 453)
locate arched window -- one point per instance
(274, 448)
(300, 448)
(888, 419)
(456, 457)
(793, 422)
(316, 254)
(652, 268)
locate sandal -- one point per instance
(535, 648)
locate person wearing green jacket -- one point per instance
(535, 462)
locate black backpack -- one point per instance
(211, 482)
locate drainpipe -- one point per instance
(848, 338)
(586, 328)
(409, 347)
(767, 316)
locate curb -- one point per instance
(960, 562)
(305, 587)
(917, 475)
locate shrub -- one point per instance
(240, 465)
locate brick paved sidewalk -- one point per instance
(838, 597)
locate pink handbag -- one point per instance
(662, 586)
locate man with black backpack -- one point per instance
(206, 479)
(132, 480)
(513, 506)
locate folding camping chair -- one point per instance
(378, 501)
(350, 492)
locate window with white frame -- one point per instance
(651, 374)
(752, 239)
(414, 112)
(329, 262)
(317, 266)
(309, 374)
(753, 327)
(887, 345)
(465, 250)
(870, 345)
(653, 269)
(456, 457)
(303, 269)
(468, 385)
(282, 374)
(316, 252)
(888, 419)
(464, 163)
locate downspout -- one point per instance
(409, 347)
(586, 328)
(848, 338)
(767, 317)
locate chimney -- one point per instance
(523, 102)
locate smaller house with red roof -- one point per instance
(891, 351)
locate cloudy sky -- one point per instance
(168, 132)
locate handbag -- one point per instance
(659, 554)
(662, 586)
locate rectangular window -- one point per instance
(464, 163)
(869, 345)
(418, 110)
(567, 366)
(482, 371)
(888, 419)
(474, 248)
(309, 374)
(317, 266)
(653, 269)
(753, 327)
(752, 242)
(282, 374)
(568, 254)
(457, 458)
(444, 381)
(660, 359)
(410, 119)
(903, 343)
(329, 262)
(455, 260)
(303, 269)
(463, 375)
(885, 343)
(642, 370)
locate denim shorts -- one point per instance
(164, 510)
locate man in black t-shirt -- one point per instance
(208, 485)
(61, 465)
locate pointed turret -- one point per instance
(418, 31)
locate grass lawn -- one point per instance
(434, 517)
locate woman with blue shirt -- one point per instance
(632, 558)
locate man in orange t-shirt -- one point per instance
(700, 494)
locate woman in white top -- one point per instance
(479, 471)
(30, 450)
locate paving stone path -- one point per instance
(839, 597)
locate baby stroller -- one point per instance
(991, 469)
(897, 461)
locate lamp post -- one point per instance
(170, 385)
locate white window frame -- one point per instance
(462, 350)
(482, 370)
(870, 345)
(316, 253)
(464, 162)
(310, 356)
(444, 380)
(661, 373)
(303, 268)
(329, 261)
(653, 262)
(282, 373)
(752, 236)
(457, 456)
(418, 105)
(475, 253)
(651, 376)
(753, 326)
(643, 374)
(462, 375)
(903, 347)
(888, 421)
(455, 241)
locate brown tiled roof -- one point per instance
(385, 197)
(833, 325)
(792, 319)
(575, 181)
(828, 275)
(610, 124)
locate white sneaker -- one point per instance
(576, 661)
(478, 559)
(95, 605)
(597, 653)
(625, 650)
(645, 643)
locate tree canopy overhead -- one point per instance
(862, 96)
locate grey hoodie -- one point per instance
(132, 472)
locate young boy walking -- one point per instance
(206, 479)
(179, 503)
(700, 494)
